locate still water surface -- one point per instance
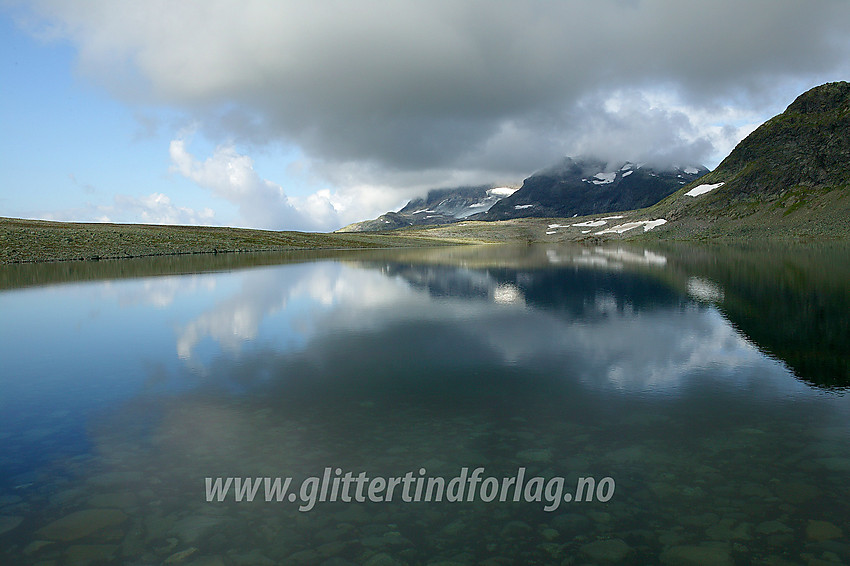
(708, 385)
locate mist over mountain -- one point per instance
(440, 206)
(588, 185)
(790, 176)
(571, 187)
(808, 146)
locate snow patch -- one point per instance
(596, 223)
(653, 224)
(691, 170)
(521, 206)
(627, 173)
(702, 189)
(604, 178)
(550, 232)
(647, 226)
(501, 191)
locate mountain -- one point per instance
(441, 206)
(573, 187)
(583, 186)
(790, 177)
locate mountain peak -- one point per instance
(806, 146)
(824, 98)
(589, 185)
(789, 177)
(439, 206)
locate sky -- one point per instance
(299, 115)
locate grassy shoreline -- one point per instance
(39, 241)
(35, 241)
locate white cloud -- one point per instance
(404, 92)
(231, 176)
(262, 203)
(155, 208)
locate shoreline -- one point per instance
(25, 241)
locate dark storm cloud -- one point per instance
(415, 86)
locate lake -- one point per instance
(468, 405)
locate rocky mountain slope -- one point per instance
(573, 187)
(583, 186)
(441, 206)
(790, 174)
(788, 180)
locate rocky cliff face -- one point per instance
(583, 186)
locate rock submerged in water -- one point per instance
(181, 556)
(536, 455)
(81, 524)
(381, 559)
(726, 530)
(611, 551)
(85, 554)
(9, 522)
(797, 493)
(192, 528)
(773, 527)
(114, 500)
(696, 556)
(822, 530)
